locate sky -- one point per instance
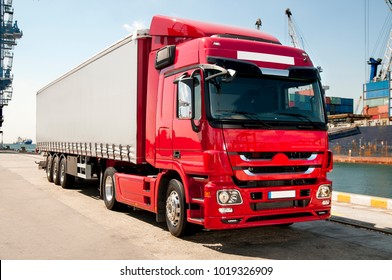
(339, 36)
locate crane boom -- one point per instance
(389, 3)
(292, 31)
(387, 60)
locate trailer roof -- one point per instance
(176, 27)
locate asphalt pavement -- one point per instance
(39, 220)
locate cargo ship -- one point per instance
(368, 134)
(25, 141)
(362, 141)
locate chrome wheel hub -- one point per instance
(109, 188)
(173, 208)
(62, 173)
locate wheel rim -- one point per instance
(109, 188)
(62, 173)
(173, 208)
(55, 170)
(49, 169)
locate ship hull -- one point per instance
(374, 141)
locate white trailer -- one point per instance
(92, 111)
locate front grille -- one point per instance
(270, 155)
(269, 169)
(274, 183)
(278, 169)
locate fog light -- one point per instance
(324, 191)
(231, 197)
(225, 210)
(231, 221)
(326, 202)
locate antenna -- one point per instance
(258, 24)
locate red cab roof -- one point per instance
(176, 27)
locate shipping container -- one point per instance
(376, 102)
(372, 86)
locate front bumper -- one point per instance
(260, 208)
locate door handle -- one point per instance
(177, 154)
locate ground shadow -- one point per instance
(319, 240)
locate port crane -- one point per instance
(9, 33)
(384, 63)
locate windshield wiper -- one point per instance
(249, 116)
(302, 117)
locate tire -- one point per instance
(56, 170)
(109, 189)
(176, 220)
(49, 165)
(66, 180)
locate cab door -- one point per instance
(165, 115)
(187, 123)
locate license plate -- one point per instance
(281, 194)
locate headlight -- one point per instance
(324, 191)
(231, 197)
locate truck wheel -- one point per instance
(49, 165)
(66, 180)
(56, 170)
(109, 189)
(175, 208)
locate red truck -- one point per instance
(199, 123)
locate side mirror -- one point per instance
(231, 74)
(185, 98)
(165, 57)
(227, 75)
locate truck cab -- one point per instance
(241, 120)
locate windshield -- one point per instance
(266, 100)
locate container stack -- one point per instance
(335, 105)
(377, 97)
(300, 100)
(339, 105)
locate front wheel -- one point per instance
(109, 189)
(175, 208)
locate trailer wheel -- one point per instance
(56, 170)
(66, 180)
(49, 165)
(175, 208)
(109, 189)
